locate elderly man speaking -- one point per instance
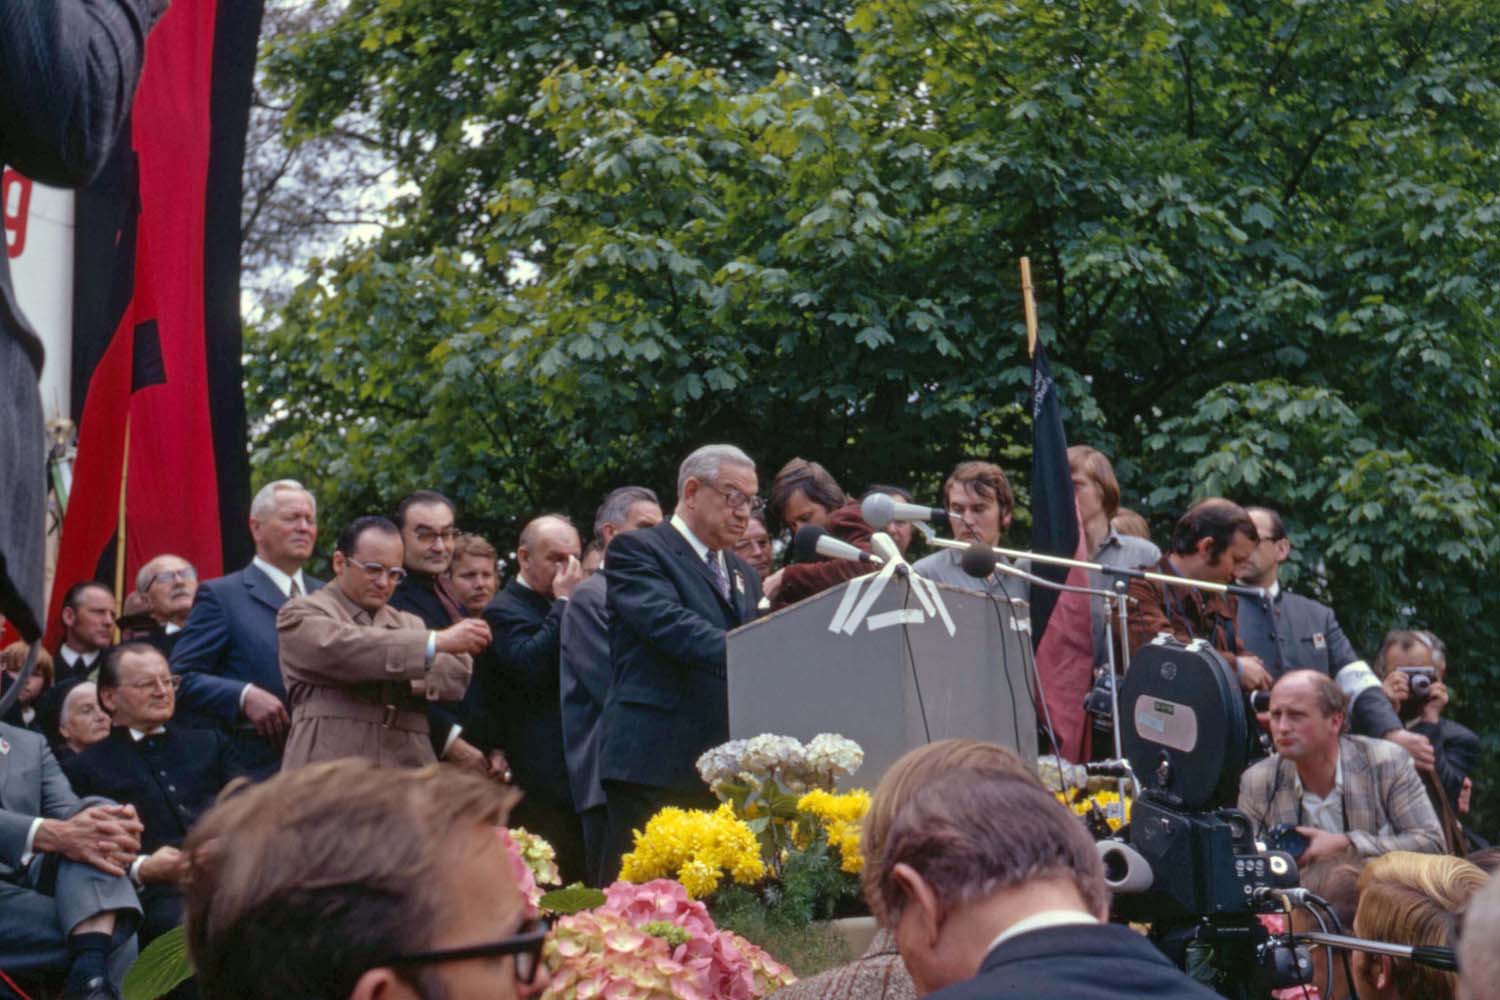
(358, 673)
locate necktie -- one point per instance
(720, 580)
(296, 590)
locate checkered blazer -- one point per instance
(1385, 806)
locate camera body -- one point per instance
(1420, 679)
(1285, 838)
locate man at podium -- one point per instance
(674, 591)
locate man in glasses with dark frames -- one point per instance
(427, 520)
(359, 674)
(344, 880)
(168, 772)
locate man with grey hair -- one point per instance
(1478, 958)
(585, 669)
(227, 654)
(168, 583)
(673, 592)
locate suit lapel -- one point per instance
(684, 550)
(262, 589)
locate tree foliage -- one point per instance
(1260, 233)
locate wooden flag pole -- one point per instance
(120, 536)
(1028, 302)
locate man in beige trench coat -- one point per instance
(358, 673)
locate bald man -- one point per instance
(526, 621)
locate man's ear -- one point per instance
(1283, 549)
(106, 696)
(381, 984)
(69, 617)
(921, 898)
(1380, 971)
(1204, 548)
(339, 562)
(690, 490)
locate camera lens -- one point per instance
(1421, 684)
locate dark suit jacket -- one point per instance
(527, 633)
(416, 595)
(230, 641)
(1456, 748)
(171, 779)
(1293, 632)
(670, 697)
(1077, 962)
(68, 71)
(585, 675)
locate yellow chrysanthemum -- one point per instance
(696, 848)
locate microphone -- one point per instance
(812, 542)
(879, 510)
(979, 561)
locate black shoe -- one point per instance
(98, 988)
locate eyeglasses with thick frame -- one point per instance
(526, 946)
(735, 499)
(182, 575)
(427, 535)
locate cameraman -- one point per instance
(1410, 659)
(1339, 791)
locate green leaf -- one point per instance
(573, 899)
(160, 968)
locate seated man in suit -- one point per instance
(359, 673)
(168, 772)
(994, 889)
(226, 654)
(1341, 792)
(674, 591)
(585, 673)
(64, 899)
(168, 583)
(526, 620)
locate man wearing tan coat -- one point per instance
(358, 673)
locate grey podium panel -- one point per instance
(789, 674)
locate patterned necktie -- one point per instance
(296, 590)
(720, 580)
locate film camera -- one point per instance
(1188, 864)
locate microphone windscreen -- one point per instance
(805, 542)
(877, 510)
(978, 562)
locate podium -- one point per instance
(888, 675)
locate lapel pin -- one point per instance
(4, 746)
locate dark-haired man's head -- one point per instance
(804, 493)
(136, 687)
(1264, 564)
(1213, 540)
(367, 561)
(88, 617)
(426, 520)
(755, 546)
(967, 856)
(900, 531)
(980, 502)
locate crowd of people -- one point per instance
(593, 691)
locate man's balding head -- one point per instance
(546, 545)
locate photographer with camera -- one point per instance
(1324, 791)
(1413, 667)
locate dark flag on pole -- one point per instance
(156, 334)
(1061, 632)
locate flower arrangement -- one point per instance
(697, 848)
(533, 862)
(652, 941)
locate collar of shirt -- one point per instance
(1324, 811)
(282, 581)
(136, 735)
(1038, 921)
(73, 657)
(694, 541)
(1274, 590)
(172, 628)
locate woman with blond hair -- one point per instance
(1412, 899)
